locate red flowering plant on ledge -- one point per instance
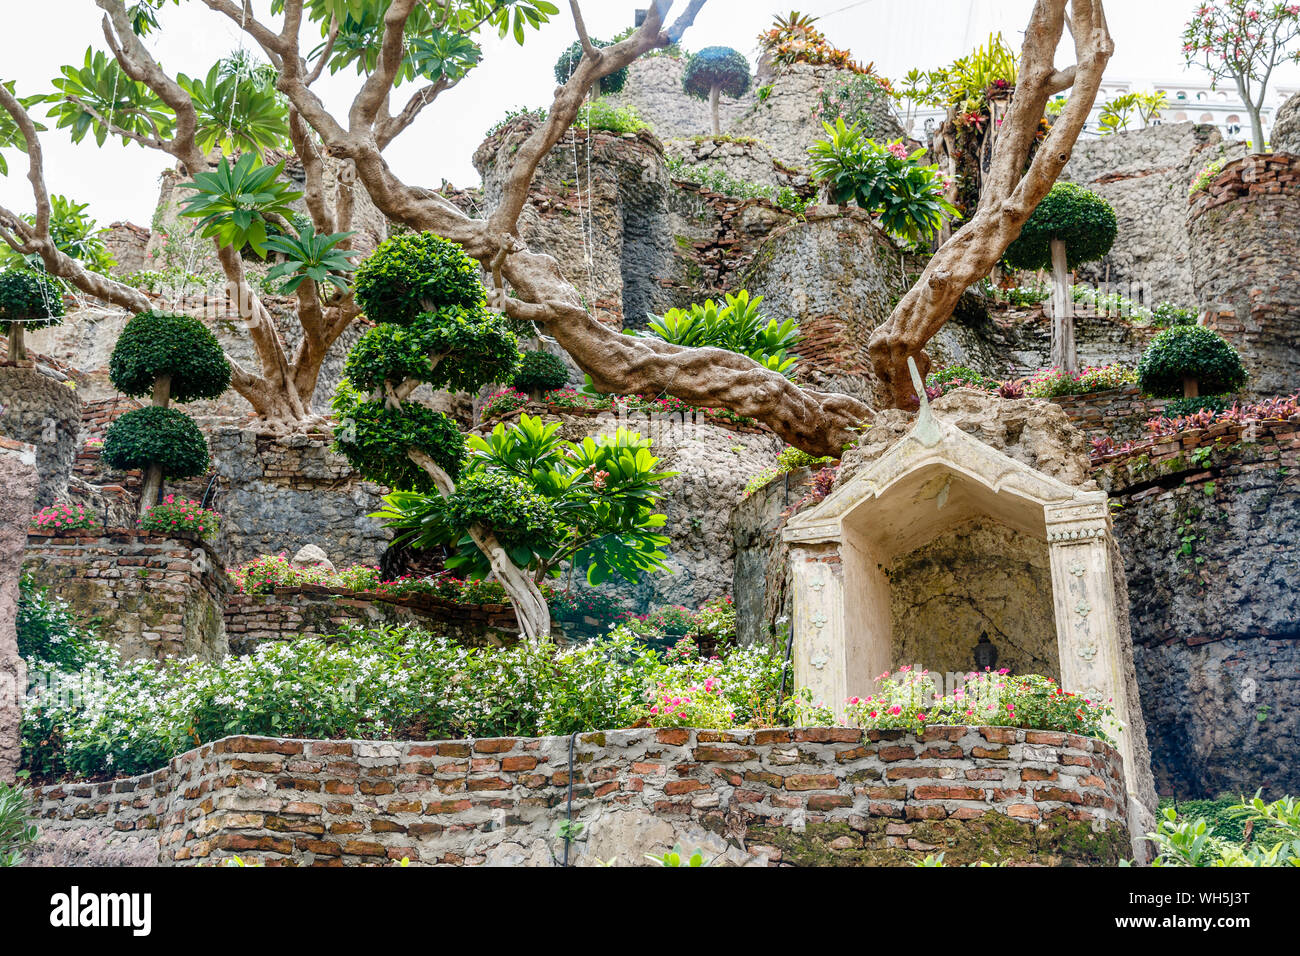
(180, 514)
(1278, 409)
(907, 700)
(62, 518)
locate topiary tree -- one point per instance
(167, 357)
(568, 62)
(540, 371)
(713, 71)
(514, 505)
(1187, 360)
(1069, 227)
(29, 299)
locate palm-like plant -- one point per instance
(233, 204)
(237, 112)
(886, 180)
(73, 232)
(738, 325)
(309, 256)
(98, 94)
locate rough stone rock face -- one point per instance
(19, 479)
(1033, 432)
(1209, 550)
(1286, 127)
(278, 493)
(40, 410)
(1244, 229)
(654, 90)
(126, 243)
(312, 556)
(713, 465)
(1144, 174)
(748, 160)
(937, 608)
(786, 119)
(1018, 342)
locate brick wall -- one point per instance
(155, 597)
(312, 611)
(819, 796)
(1120, 413)
(1244, 228)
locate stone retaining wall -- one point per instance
(1244, 228)
(819, 796)
(311, 611)
(1120, 413)
(1206, 522)
(154, 597)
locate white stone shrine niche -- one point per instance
(989, 537)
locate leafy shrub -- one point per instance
(957, 376)
(907, 701)
(29, 297)
(568, 605)
(155, 344)
(373, 684)
(1207, 175)
(737, 325)
(1241, 833)
(605, 115)
(540, 371)
(166, 436)
(17, 831)
(416, 272)
(1190, 351)
(568, 62)
(716, 67)
(65, 517)
(856, 100)
(884, 180)
(518, 113)
(236, 205)
(1081, 219)
(49, 635)
(179, 514)
(716, 179)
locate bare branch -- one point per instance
(588, 48)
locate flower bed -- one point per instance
(1207, 425)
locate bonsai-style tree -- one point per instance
(29, 299)
(1243, 41)
(713, 71)
(169, 358)
(540, 371)
(1188, 360)
(522, 502)
(1071, 226)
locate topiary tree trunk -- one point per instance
(153, 475)
(1064, 354)
(17, 347)
(715, 95)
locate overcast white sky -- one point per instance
(120, 182)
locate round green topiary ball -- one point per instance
(474, 347)
(374, 439)
(152, 434)
(570, 58)
(541, 371)
(1081, 219)
(716, 65)
(164, 343)
(31, 297)
(414, 273)
(1190, 351)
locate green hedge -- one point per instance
(541, 371)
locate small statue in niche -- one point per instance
(986, 653)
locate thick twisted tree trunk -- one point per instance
(1010, 191)
(531, 610)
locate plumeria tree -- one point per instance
(431, 45)
(1243, 41)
